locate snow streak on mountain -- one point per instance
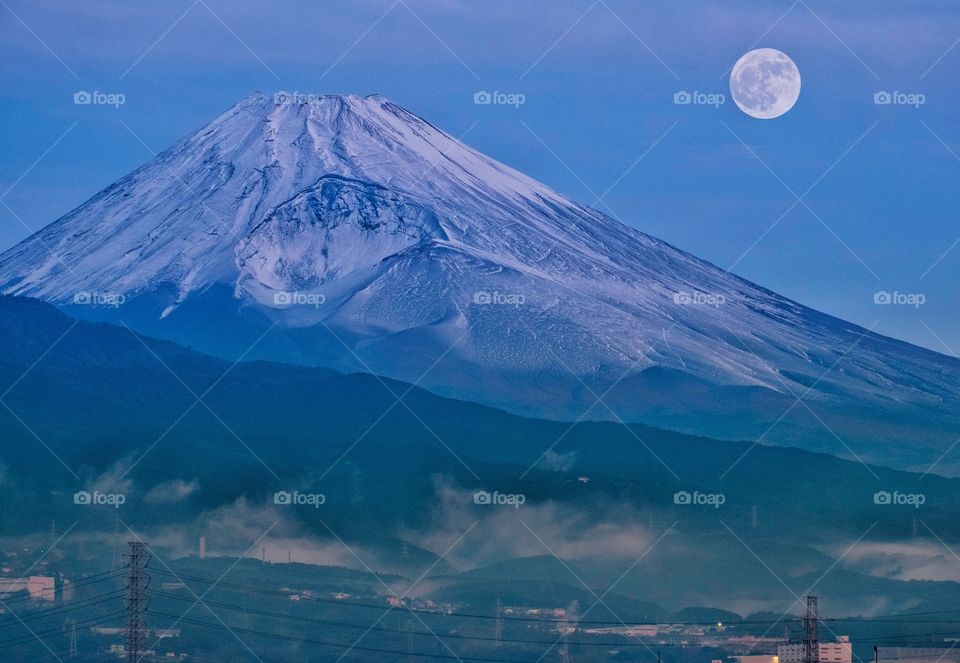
(378, 242)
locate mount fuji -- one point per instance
(347, 232)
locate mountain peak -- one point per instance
(366, 138)
(412, 245)
(268, 103)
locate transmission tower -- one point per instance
(73, 639)
(811, 632)
(137, 580)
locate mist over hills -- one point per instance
(118, 411)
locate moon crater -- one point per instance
(765, 83)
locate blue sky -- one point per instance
(877, 182)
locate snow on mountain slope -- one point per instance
(404, 245)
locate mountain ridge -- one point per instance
(365, 238)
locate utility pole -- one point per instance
(811, 632)
(498, 631)
(566, 648)
(137, 581)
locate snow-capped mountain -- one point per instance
(364, 238)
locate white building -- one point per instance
(41, 588)
(830, 652)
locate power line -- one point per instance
(383, 629)
(323, 643)
(894, 619)
(92, 621)
(99, 599)
(345, 604)
(89, 580)
(60, 610)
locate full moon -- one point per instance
(765, 83)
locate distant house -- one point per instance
(40, 588)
